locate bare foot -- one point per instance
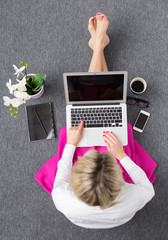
(97, 27)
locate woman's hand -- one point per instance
(75, 134)
(114, 145)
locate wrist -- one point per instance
(121, 156)
(72, 144)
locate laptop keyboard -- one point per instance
(97, 117)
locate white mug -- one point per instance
(140, 80)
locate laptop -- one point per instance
(99, 98)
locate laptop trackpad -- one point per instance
(95, 137)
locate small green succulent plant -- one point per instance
(33, 83)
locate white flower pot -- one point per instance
(38, 94)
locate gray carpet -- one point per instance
(52, 37)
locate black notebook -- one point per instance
(40, 121)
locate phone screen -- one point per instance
(141, 121)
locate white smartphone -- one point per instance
(141, 121)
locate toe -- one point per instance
(91, 25)
(95, 23)
(99, 18)
(105, 19)
(91, 19)
(103, 16)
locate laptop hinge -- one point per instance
(94, 104)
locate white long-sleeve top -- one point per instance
(133, 197)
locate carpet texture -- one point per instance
(52, 37)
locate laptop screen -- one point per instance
(93, 88)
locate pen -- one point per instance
(40, 122)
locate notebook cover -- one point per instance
(40, 122)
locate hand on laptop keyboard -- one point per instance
(114, 145)
(75, 134)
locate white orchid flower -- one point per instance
(22, 96)
(14, 101)
(12, 88)
(18, 70)
(8, 84)
(21, 88)
(21, 85)
(23, 81)
(7, 101)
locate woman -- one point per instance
(93, 193)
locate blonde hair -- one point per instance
(96, 179)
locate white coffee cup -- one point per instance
(138, 85)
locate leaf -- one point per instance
(29, 90)
(38, 79)
(37, 89)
